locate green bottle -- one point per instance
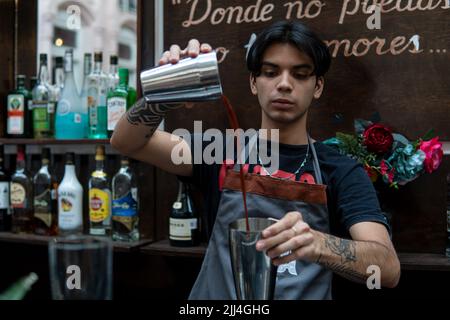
(43, 108)
(18, 115)
(19, 290)
(118, 101)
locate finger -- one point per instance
(300, 254)
(165, 58)
(205, 48)
(286, 223)
(282, 237)
(175, 52)
(291, 245)
(193, 49)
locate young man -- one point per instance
(318, 191)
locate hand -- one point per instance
(291, 234)
(175, 54)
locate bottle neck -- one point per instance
(20, 166)
(114, 69)
(69, 171)
(59, 77)
(98, 67)
(43, 74)
(99, 164)
(87, 67)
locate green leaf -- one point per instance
(429, 135)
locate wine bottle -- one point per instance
(45, 199)
(5, 212)
(100, 206)
(22, 196)
(70, 201)
(125, 204)
(18, 121)
(184, 222)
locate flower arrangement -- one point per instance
(389, 156)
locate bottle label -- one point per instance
(51, 108)
(181, 229)
(77, 118)
(125, 207)
(18, 196)
(99, 205)
(70, 211)
(92, 107)
(40, 117)
(63, 107)
(16, 114)
(117, 107)
(4, 195)
(42, 207)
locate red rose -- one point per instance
(378, 139)
(434, 152)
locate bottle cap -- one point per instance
(98, 57)
(70, 158)
(114, 60)
(43, 58)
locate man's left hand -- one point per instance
(290, 235)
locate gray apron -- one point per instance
(267, 197)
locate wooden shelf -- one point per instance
(29, 239)
(163, 248)
(424, 262)
(5, 141)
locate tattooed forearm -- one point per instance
(149, 115)
(346, 249)
(346, 272)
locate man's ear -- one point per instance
(320, 84)
(253, 85)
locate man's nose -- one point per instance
(285, 83)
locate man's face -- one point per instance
(286, 86)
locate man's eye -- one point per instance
(302, 75)
(269, 73)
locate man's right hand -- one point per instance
(175, 54)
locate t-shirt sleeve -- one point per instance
(356, 198)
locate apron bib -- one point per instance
(267, 197)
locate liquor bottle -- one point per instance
(5, 212)
(19, 290)
(113, 75)
(118, 101)
(58, 86)
(70, 201)
(43, 108)
(125, 204)
(45, 199)
(97, 94)
(18, 122)
(21, 196)
(100, 206)
(70, 119)
(184, 222)
(84, 91)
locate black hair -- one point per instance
(294, 33)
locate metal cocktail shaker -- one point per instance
(254, 273)
(190, 80)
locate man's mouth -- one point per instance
(282, 104)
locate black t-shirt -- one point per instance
(351, 196)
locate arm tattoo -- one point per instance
(149, 115)
(344, 248)
(346, 272)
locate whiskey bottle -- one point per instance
(125, 204)
(100, 206)
(21, 196)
